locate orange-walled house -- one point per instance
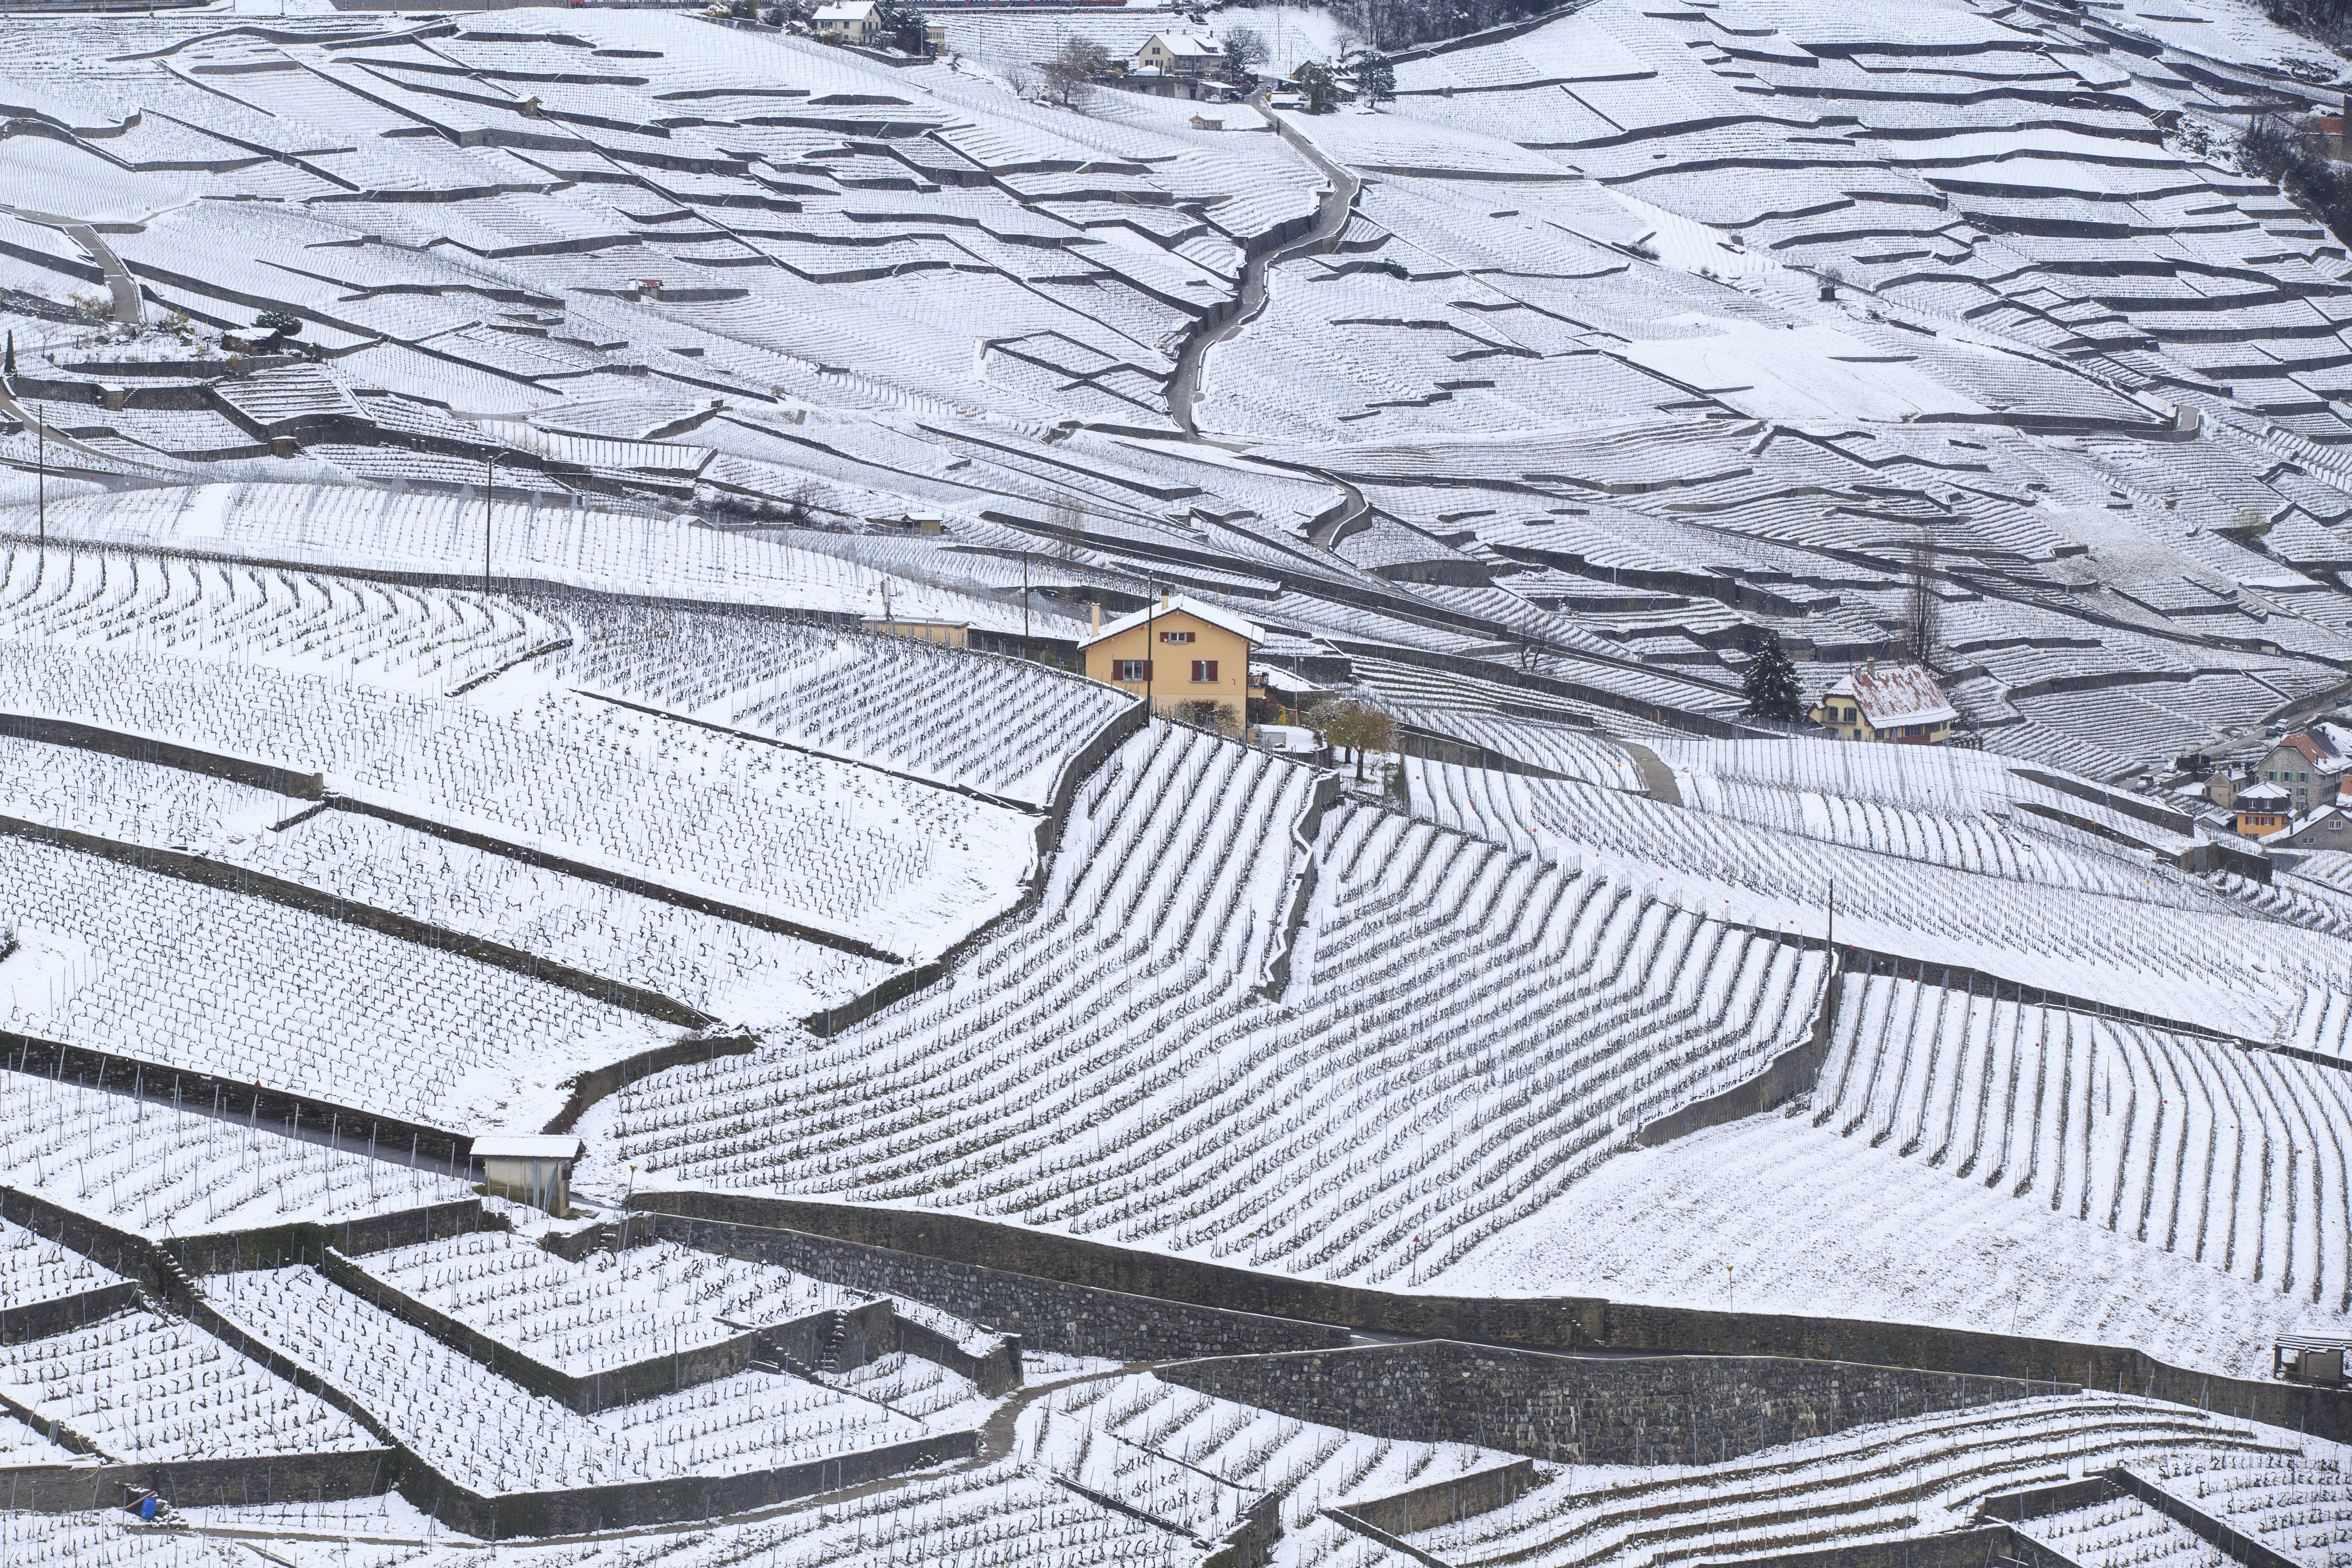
(1175, 652)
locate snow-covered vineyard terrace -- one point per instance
(1278, 787)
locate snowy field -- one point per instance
(484, 707)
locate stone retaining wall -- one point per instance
(1046, 1313)
(252, 771)
(1974, 1548)
(245, 880)
(635, 1504)
(996, 1373)
(2229, 1541)
(1586, 1410)
(192, 1483)
(40, 1320)
(622, 1506)
(659, 1372)
(1042, 1259)
(166, 1268)
(289, 1114)
(1444, 1502)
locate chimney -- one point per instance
(1097, 631)
(1164, 598)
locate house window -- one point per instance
(1205, 672)
(1130, 669)
(1175, 636)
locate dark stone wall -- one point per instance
(1567, 1322)
(39, 1319)
(1588, 1410)
(1006, 1276)
(1976, 1548)
(625, 1505)
(869, 1332)
(248, 771)
(280, 1246)
(998, 1372)
(433, 1147)
(278, 1478)
(1047, 1314)
(2232, 1542)
(609, 877)
(1444, 1502)
(244, 879)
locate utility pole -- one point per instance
(1024, 607)
(41, 484)
(490, 496)
(1150, 648)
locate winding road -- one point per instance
(1332, 210)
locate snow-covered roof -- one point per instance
(1185, 45)
(1180, 604)
(2321, 745)
(849, 11)
(1278, 679)
(1893, 694)
(528, 1146)
(2255, 797)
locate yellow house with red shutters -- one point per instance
(1177, 652)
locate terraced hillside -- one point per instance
(1606, 346)
(611, 677)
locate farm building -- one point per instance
(1898, 703)
(529, 1167)
(1176, 653)
(2262, 809)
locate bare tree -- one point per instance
(1922, 610)
(1245, 50)
(1070, 75)
(1201, 710)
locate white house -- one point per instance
(1179, 54)
(852, 22)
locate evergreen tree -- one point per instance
(1317, 84)
(1770, 683)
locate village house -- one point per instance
(2308, 765)
(853, 22)
(1179, 54)
(2329, 827)
(1895, 702)
(1185, 657)
(2261, 809)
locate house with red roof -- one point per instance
(1893, 703)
